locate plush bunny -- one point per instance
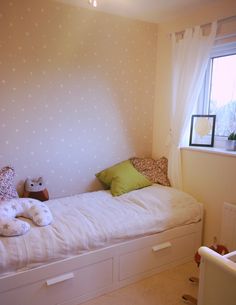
(35, 188)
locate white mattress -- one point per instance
(94, 220)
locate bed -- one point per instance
(217, 278)
(98, 243)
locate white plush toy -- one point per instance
(11, 206)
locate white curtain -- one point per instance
(190, 56)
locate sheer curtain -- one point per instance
(190, 57)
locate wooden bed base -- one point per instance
(74, 280)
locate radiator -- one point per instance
(228, 226)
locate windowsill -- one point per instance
(211, 150)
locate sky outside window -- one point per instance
(223, 94)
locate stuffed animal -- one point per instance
(35, 188)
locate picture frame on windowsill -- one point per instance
(202, 130)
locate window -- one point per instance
(219, 94)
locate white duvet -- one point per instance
(94, 220)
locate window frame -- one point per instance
(219, 50)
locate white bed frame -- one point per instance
(74, 280)
(217, 278)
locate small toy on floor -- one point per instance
(36, 189)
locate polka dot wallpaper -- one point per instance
(77, 92)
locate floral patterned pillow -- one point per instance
(155, 170)
(7, 186)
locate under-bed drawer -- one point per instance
(63, 287)
(154, 256)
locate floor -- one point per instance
(165, 288)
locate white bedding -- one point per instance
(95, 220)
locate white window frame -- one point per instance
(219, 50)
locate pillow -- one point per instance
(7, 186)
(155, 170)
(30, 208)
(122, 178)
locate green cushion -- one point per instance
(122, 178)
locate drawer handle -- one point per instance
(161, 246)
(59, 278)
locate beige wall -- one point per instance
(77, 92)
(210, 178)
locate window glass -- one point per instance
(222, 101)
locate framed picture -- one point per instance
(202, 130)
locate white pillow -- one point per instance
(26, 207)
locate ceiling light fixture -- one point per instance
(93, 3)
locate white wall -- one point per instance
(77, 92)
(210, 178)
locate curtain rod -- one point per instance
(219, 21)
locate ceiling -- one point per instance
(147, 10)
